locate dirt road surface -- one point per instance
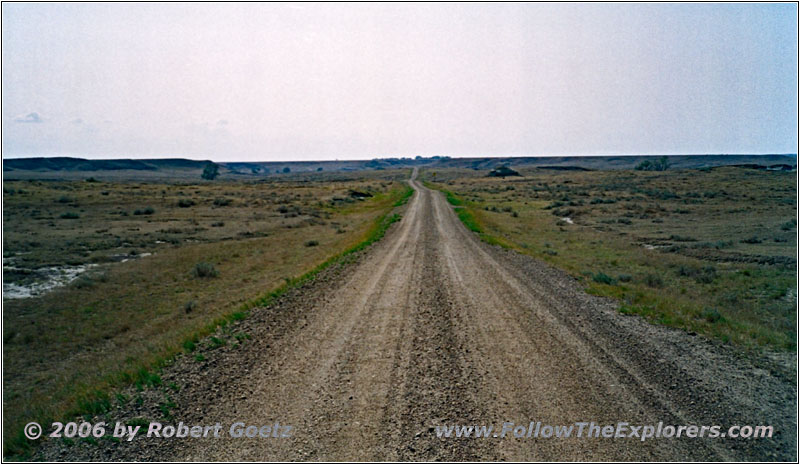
(430, 327)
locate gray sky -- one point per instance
(306, 81)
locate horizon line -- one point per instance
(411, 157)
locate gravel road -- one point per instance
(429, 327)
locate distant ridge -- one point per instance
(166, 168)
(81, 164)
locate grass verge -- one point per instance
(468, 216)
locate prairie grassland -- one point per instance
(171, 262)
(711, 251)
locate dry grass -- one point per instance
(235, 243)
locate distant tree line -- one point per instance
(662, 164)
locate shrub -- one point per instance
(64, 199)
(653, 280)
(312, 243)
(686, 270)
(189, 345)
(222, 202)
(751, 240)
(789, 225)
(502, 171)
(205, 270)
(603, 278)
(625, 278)
(144, 211)
(70, 216)
(189, 306)
(83, 282)
(210, 171)
(705, 275)
(185, 203)
(662, 164)
(554, 205)
(712, 315)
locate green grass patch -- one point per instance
(468, 217)
(407, 193)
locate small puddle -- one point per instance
(41, 280)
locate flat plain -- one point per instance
(124, 274)
(562, 295)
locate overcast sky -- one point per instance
(305, 81)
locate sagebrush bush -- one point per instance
(653, 280)
(205, 270)
(83, 282)
(712, 315)
(603, 278)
